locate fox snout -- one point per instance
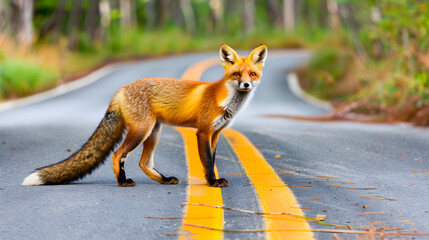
(245, 86)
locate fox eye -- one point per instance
(252, 74)
(236, 74)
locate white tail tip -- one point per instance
(32, 180)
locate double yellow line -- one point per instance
(264, 179)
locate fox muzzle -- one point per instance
(245, 86)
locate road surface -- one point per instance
(353, 176)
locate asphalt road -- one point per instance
(370, 175)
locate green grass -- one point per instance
(326, 71)
(21, 78)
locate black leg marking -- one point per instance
(208, 162)
(122, 180)
(210, 175)
(214, 157)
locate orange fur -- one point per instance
(142, 107)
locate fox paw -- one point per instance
(128, 183)
(221, 182)
(171, 180)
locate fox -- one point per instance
(138, 110)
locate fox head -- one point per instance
(243, 73)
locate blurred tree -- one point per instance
(53, 23)
(332, 7)
(176, 13)
(274, 13)
(22, 20)
(353, 25)
(74, 23)
(162, 13)
(2, 17)
(91, 21)
(289, 14)
(150, 13)
(248, 16)
(128, 13)
(189, 16)
(217, 9)
(105, 17)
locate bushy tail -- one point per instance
(102, 142)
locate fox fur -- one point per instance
(139, 108)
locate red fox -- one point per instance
(142, 106)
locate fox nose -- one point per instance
(245, 86)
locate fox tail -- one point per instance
(94, 152)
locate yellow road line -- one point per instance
(272, 199)
(195, 71)
(200, 192)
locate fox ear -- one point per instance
(228, 56)
(258, 55)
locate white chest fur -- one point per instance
(231, 104)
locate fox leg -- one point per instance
(135, 137)
(215, 138)
(146, 160)
(207, 159)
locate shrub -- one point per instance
(21, 78)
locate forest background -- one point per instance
(369, 56)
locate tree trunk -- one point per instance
(217, 7)
(332, 6)
(377, 47)
(25, 21)
(298, 8)
(248, 16)
(274, 13)
(91, 22)
(347, 14)
(162, 13)
(2, 18)
(74, 23)
(176, 14)
(189, 16)
(289, 16)
(105, 18)
(128, 13)
(150, 14)
(52, 25)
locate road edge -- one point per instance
(63, 88)
(296, 89)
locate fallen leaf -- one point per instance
(320, 217)
(278, 156)
(379, 198)
(329, 185)
(410, 185)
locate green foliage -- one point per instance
(85, 44)
(21, 78)
(327, 69)
(420, 86)
(381, 56)
(403, 30)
